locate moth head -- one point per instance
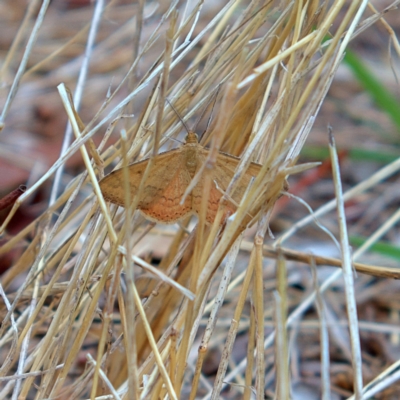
(191, 137)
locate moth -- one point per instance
(170, 176)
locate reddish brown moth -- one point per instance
(169, 177)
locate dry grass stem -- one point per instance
(347, 273)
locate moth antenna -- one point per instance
(175, 140)
(167, 137)
(212, 110)
(178, 115)
(204, 111)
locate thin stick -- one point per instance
(153, 344)
(99, 6)
(65, 97)
(104, 377)
(223, 365)
(324, 338)
(24, 61)
(347, 274)
(131, 349)
(218, 300)
(283, 386)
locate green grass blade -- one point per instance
(382, 97)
